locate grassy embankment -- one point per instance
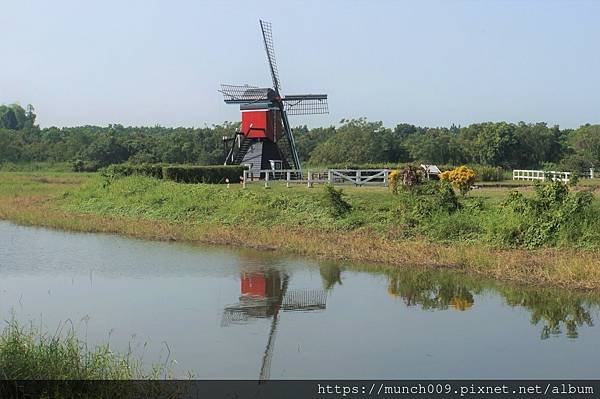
(481, 237)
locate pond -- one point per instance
(222, 312)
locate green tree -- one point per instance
(586, 142)
(356, 141)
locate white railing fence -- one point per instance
(543, 175)
(357, 177)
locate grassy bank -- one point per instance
(482, 236)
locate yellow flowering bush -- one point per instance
(462, 178)
(393, 180)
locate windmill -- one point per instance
(264, 294)
(266, 140)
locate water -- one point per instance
(227, 313)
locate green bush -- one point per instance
(435, 196)
(552, 213)
(178, 173)
(203, 174)
(84, 166)
(420, 210)
(490, 173)
(127, 169)
(335, 201)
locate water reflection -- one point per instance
(264, 292)
(431, 293)
(331, 274)
(556, 311)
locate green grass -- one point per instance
(482, 217)
(19, 184)
(149, 198)
(36, 167)
(26, 353)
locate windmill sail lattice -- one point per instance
(270, 49)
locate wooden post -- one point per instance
(330, 177)
(244, 177)
(591, 173)
(288, 176)
(309, 181)
(267, 179)
(385, 178)
(358, 178)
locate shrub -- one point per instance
(462, 178)
(393, 180)
(435, 196)
(554, 211)
(409, 177)
(127, 169)
(84, 166)
(489, 173)
(203, 174)
(419, 210)
(335, 201)
(179, 173)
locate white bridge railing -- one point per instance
(542, 175)
(357, 177)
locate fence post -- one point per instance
(244, 177)
(385, 178)
(309, 182)
(591, 173)
(288, 176)
(267, 179)
(330, 177)
(358, 177)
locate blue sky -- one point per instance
(430, 63)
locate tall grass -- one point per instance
(27, 353)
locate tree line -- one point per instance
(353, 141)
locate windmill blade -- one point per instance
(270, 49)
(306, 104)
(243, 94)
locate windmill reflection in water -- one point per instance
(264, 294)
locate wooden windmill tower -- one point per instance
(266, 140)
(264, 294)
